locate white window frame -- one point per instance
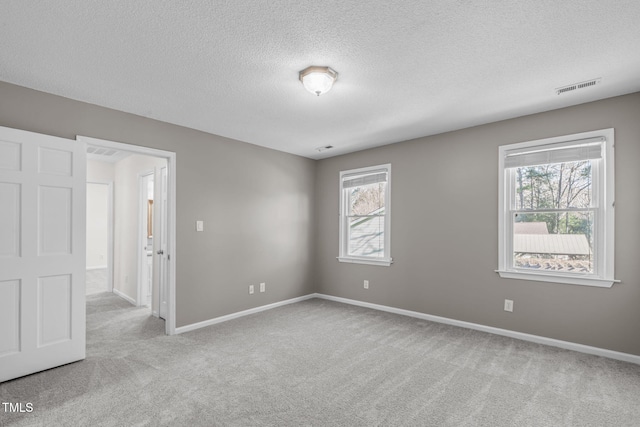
(386, 259)
(603, 194)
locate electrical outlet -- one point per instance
(366, 284)
(199, 225)
(508, 305)
(251, 289)
(263, 287)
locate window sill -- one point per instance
(557, 278)
(385, 262)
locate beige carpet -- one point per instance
(319, 363)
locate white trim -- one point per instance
(171, 236)
(124, 297)
(604, 231)
(342, 233)
(243, 313)
(609, 204)
(99, 267)
(542, 276)
(170, 321)
(371, 261)
(110, 237)
(626, 357)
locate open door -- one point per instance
(42, 252)
(161, 254)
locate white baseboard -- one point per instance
(626, 357)
(232, 316)
(124, 297)
(99, 267)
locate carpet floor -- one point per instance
(319, 363)
(96, 281)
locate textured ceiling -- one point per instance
(407, 68)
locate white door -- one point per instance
(42, 252)
(161, 257)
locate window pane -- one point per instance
(553, 186)
(554, 241)
(366, 236)
(366, 199)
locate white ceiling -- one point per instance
(407, 68)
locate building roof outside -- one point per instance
(553, 244)
(530, 228)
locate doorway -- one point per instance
(145, 241)
(147, 278)
(99, 246)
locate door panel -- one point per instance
(9, 317)
(55, 162)
(54, 309)
(10, 156)
(42, 245)
(54, 222)
(9, 220)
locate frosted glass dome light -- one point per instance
(318, 80)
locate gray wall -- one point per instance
(272, 217)
(444, 225)
(257, 203)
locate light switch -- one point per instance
(199, 225)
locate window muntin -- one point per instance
(568, 252)
(364, 215)
(552, 217)
(556, 217)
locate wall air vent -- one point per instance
(576, 86)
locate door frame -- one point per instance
(170, 156)
(109, 185)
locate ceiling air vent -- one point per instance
(576, 86)
(104, 154)
(99, 151)
(326, 147)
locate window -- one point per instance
(556, 209)
(365, 215)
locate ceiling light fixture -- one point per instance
(318, 80)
